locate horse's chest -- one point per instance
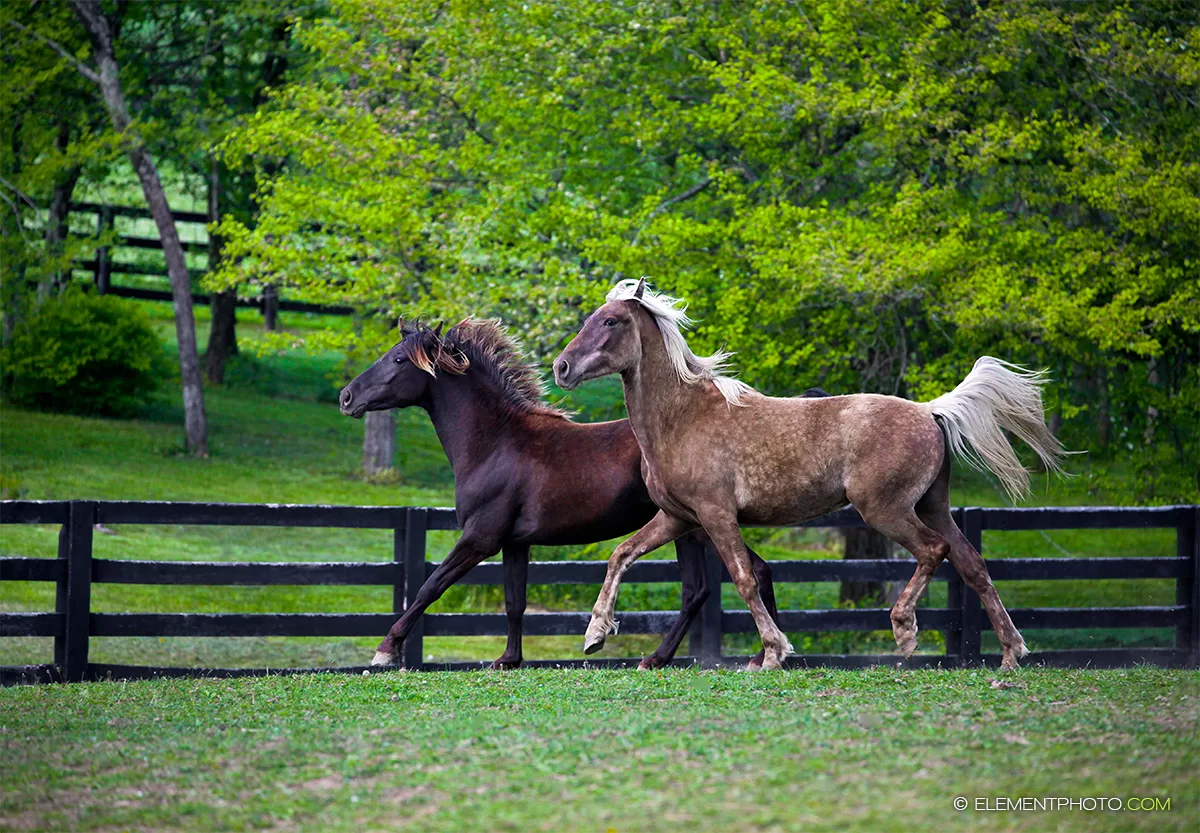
(658, 484)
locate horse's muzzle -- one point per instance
(562, 375)
(349, 408)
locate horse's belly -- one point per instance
(784, 502)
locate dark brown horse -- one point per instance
(524, 474)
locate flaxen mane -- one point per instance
(671, 317)
(485, 347)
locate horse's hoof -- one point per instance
(1009, 662)
(649, 664)
(503, 664)
(906, 639)
(382, 659)
(593, 639)
(755, 664)
(768, 664)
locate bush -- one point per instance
(85, 354)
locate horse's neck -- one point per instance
(655, 396)
(469, 419)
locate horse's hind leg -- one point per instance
(516, 572)
(695, 593)
(929, 548)
(970, 565)
(934, 509)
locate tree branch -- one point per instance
(84, 70)
(21, 194)
(665, 204)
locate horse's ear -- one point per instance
(438, 329)
(400, 323)
(641, 288)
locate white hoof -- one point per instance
(593, 639)
(382, 659)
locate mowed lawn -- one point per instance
(565, 750)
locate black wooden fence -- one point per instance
(962, 620)
(102, 265)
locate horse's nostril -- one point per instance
(346, 399)
(561, 368)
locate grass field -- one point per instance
(573, 750)
(277, 436)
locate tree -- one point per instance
(861, 196)
(54, 130)
(106, 76)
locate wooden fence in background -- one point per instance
(75, 570)
(102, 266)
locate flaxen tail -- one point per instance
(997, 395)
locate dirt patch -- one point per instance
(322, 785)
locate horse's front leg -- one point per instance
(662, 529)
(721, 525)
(516, 576)
(469, 551)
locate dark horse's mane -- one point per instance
(485, 346)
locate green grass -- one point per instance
(276, 436)
(560, 750)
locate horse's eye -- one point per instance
(399, 360)
(610, 322)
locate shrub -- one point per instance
(84, 354)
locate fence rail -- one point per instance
(962, 621)
(102, 267)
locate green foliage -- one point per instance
(860, 196)
(85, 354)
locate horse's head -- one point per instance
(401, 376)
(608, 343)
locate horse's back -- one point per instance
(794, 459)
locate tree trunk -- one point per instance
(866, 543)
(12, 280)
(1152, 414)
(60, 209)
(98, 29)
(379, 443)
(1103, 417)
(222, 335)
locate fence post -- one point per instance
(415, 524)
(1187, 587)
(399, 585)
(954, 589)
(972, 611)
(73, 597)
(60, 592)
(710, 613)
(103, 273)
